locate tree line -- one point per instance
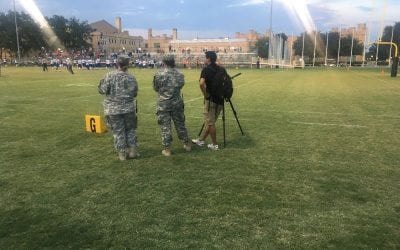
(390, 33)
(72, 33)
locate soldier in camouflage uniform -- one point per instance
(168, 83)
(120, 90)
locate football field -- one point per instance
(318, 165)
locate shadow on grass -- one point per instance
(40, 228)
(238, 141)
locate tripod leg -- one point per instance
(201, 130)
(223, 124)
(234, 113)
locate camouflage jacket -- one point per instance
(120, 90)
(168, 83)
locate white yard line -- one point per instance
(197, 117)
(379, 79)
(308, 112)
(78, 97)
(79, 85)
(194, 99)
(321, 113)
(330, 124)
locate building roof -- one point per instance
(104, 27)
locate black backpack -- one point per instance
(221, 86)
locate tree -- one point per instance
(262, 46)
(72, 33)
(79, 33)
(384, 50)
(308, 45)
(7, 31)
(29, 33)
(345, 46)
(333, 45)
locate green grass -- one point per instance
(317, 168)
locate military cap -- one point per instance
(123, 60)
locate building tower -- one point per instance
(118, 24)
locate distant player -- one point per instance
(44, 64)
(69, 66)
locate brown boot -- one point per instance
(122, 156)
(166, 152)
(133, 153)
(187, 146)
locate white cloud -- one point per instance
(348, 12)
(243, 3)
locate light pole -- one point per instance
(291, 49)
(390, 51)
(382, 28)
(270, 20)
(352, 45)
(326, 48)
(377, 52)
(364, 46)
(270, 52)
(16, 32)
(302, 48)
(338, 54)
(315, 47)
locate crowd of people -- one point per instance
(60, 60)
(120, 90)
(89, 64)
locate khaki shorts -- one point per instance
(211, 112)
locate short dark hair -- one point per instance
(169, 60)
(123, 61)
(211, 55)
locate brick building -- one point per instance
(107, 39)
(243, 43)
(360, 32)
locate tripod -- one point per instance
(223, 115)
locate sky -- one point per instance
(222, 18)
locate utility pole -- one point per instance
(271, 53)
(315, 46)
(302, 48)
(16, 32)
(326, 48)
(364, 45)
(270, 19)
(390, 52)
(352, 45)
(338, 54)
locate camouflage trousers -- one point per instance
(123, 127)
(165, 119)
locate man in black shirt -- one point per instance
(212, 105)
